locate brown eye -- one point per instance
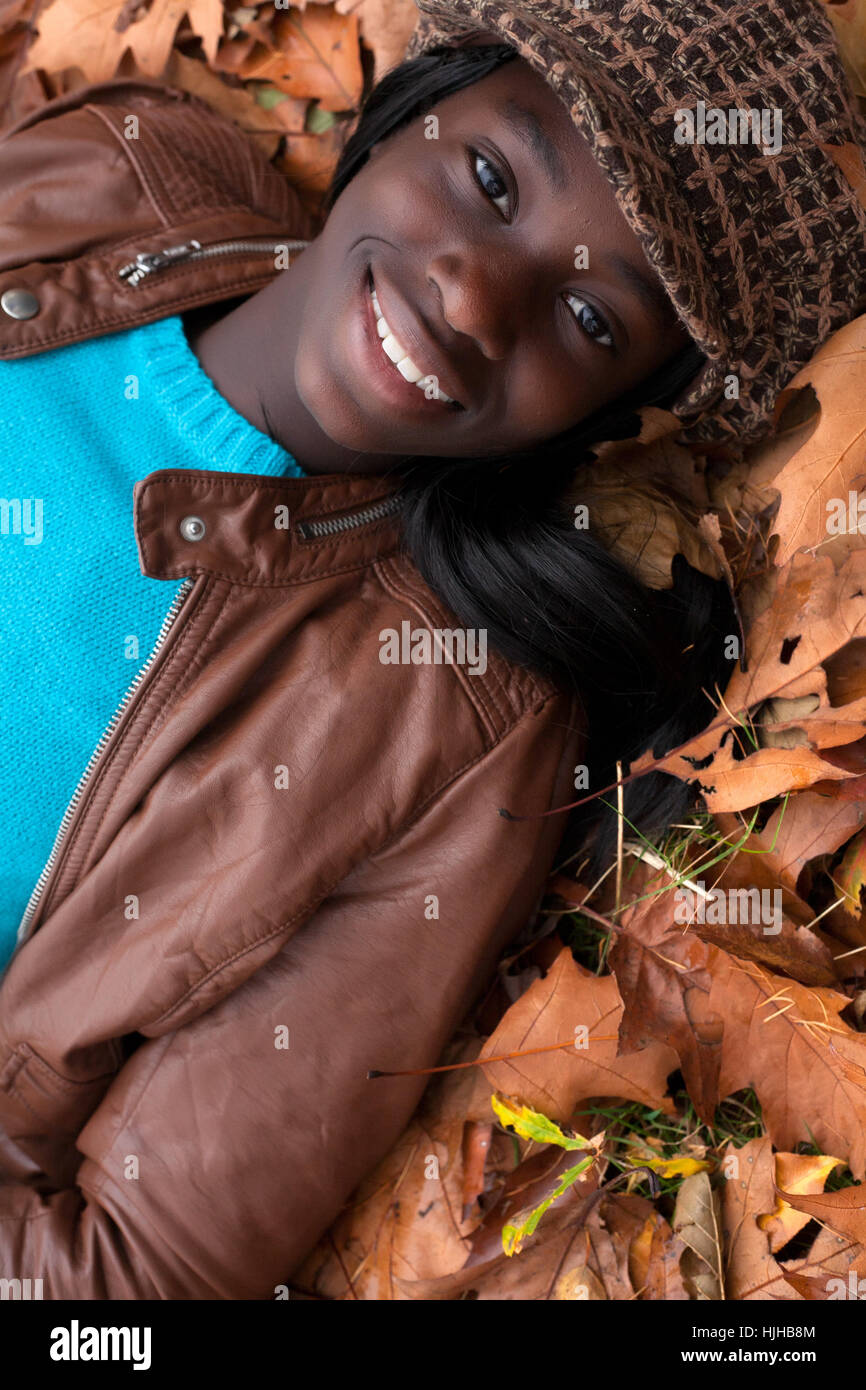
(593, 324)
(490, 181)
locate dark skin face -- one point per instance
(469, 241)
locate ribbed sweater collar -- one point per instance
(198, 413)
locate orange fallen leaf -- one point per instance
(796, 1173)
(386, 26)
(750, 1269)
(816, 483)
(83, 33)
(814, 612)
(567, 1001)
(849, 21)
(806, 1065)
(850, 876)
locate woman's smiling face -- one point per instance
(466, 252)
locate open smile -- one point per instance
(397, 374)
(397, 354)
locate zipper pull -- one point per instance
(148, 261)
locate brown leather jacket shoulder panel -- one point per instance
(84, 192)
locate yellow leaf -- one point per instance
(531, 1124)
(851, 878)
(799, 1174)
(680, 1167)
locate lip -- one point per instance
(382, 374)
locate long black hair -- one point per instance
(492, 537)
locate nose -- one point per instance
(479, 295)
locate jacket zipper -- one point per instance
(69, 814)
(147, 262)
(307, 530)
(311, 530)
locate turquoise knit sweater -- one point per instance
(78, 427)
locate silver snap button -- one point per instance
(19, 304)
(192, 528)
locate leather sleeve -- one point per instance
(217, 1157)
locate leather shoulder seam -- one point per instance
(492, 717)
(132, 155)
(404, 581)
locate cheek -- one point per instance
(401, 195)
(548, 393)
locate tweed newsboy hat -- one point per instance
(763, 253)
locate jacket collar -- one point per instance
(260, 530)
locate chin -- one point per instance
(339, 417)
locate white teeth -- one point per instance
(393, 349)
(397, 354)
(407, 368)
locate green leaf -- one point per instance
(514, 1236)
(318, 121)
(269, 97)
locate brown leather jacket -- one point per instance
(184, 1103)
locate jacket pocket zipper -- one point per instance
(69, 814)
(148, 262)
(312, 530)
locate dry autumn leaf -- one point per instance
(797, 1174)
(315, 53)
(83, 33)
(817, 483)
(756, 928)
(309, 162)
(643, 497)
(663, 975)
(751, 1271)
(263, 126)
(813, 614)
(850, 876)
(805, 825)
(829, 1257)
(379, 1238)
(557, 1009)
(386, 27)
(806, 1065)
(843, 1211)
(697, 1223)
(751, 1268)
(664, 1280)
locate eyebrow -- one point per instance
(649, 291)
(529, 129)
